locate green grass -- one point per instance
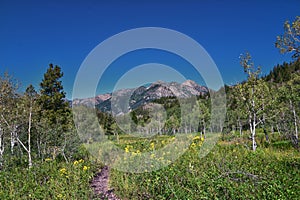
(47, 180)
(229, 171)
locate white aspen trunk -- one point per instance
(295, 120)
(253, 137)
(13, 135)
(240, 128)
(204, 129)
(253, 127)
(252, 131)
(1, 146)
(29, 138)
(250, 124)
(63, 150)
(221, 126)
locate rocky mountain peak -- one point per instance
(143, 95)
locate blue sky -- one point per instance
(36, 33)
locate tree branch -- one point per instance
(22, 144)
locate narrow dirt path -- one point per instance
(100, 185)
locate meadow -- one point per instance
(230, 171)
(50, 179)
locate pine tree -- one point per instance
(52, 94)
(55, 112)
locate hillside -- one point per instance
(282, 73)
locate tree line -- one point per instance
(270, 103)
(36, 123)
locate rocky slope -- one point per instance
(127, 99)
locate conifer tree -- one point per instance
(55, 112)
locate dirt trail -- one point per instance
(100, 185)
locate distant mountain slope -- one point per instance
(136, 97)
(92, 101)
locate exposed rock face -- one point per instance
(93, 100)
(127, 99)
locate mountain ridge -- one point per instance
(136, 97)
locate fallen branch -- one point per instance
(248, 175)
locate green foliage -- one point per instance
(52, 93)
(52, 102)
(47, 180)
(254, 96)
(229, 171)
(289, 42)
(283, 73)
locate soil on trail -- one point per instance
(100, 185)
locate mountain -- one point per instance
(92, 101)
(125, 100)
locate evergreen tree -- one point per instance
(55, 115)
(52, 98)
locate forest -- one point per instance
(43, 154)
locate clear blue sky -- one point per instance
(36, 33)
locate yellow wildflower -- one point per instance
(152, 145)
(48, 159)
(85, 168)
(197, 137)
(63, 171)
(127, 149)
(81, 161)
(193, 145)
(75, 162)
(133, 153)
